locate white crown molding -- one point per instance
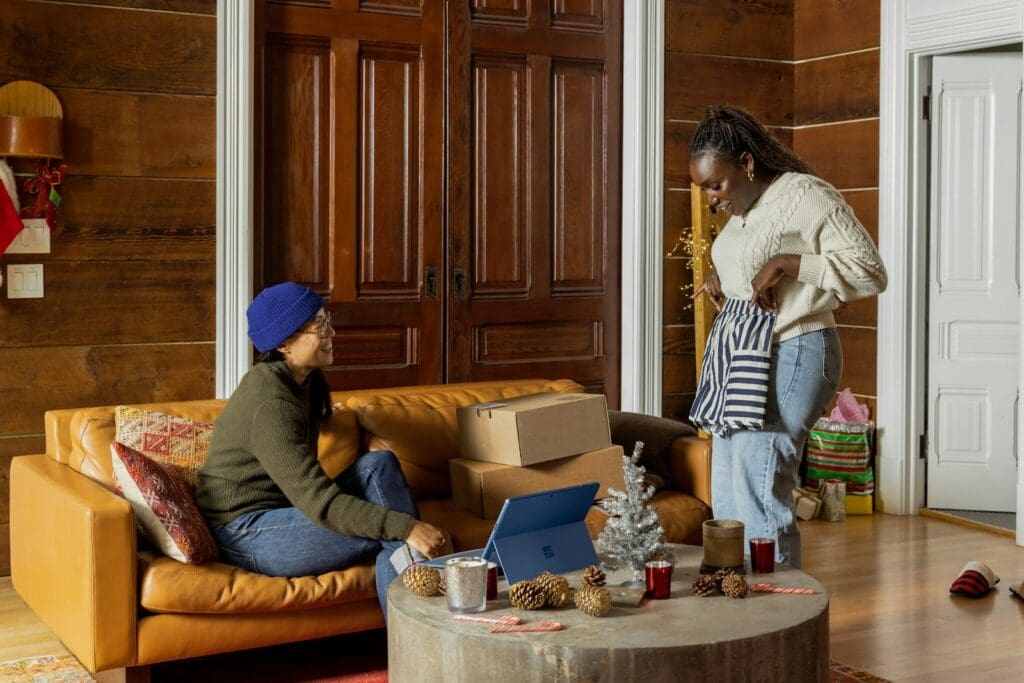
(643, 139)
(976, 22)
(234, 190)
(913, 31)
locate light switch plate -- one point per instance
(34, 238)
(25, 281)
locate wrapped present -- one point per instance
(841, 451)
(833, 501)
(808, 504)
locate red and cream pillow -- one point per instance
(163, 504)
(176, 441)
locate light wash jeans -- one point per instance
(753, 473)
(283, 542)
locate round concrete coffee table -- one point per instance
(763, 637)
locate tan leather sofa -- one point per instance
(75, 558)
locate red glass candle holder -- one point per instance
(762, 555)
(659, 579)
(492, 581)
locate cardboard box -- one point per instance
(535, 428)
(859, 505)
(481, 487)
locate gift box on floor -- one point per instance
(808, 504)
(535, 428)
(859, 505)
(481, 487)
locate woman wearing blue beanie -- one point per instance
(268, 503)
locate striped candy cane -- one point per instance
(507, 620)
(768, 588)
(527, 628)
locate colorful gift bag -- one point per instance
(841, 451)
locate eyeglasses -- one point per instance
(323, 327)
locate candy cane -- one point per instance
(768, 588)
(527, 628)
(507, 620)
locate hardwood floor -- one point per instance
(891, 612)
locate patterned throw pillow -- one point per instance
(176, 441)
(163, 505)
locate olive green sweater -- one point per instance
(263, 456)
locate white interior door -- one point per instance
(974, 282)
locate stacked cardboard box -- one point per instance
(529, 444)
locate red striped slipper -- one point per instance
(975, 580)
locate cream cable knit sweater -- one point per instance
(801, 214)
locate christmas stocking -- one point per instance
(10, 223)
(975, 580)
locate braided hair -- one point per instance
(727, 132)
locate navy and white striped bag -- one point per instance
(733, 389)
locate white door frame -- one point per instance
(912, 32)
(642, 195)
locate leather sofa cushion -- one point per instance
(168, 586)
(420, 424)
(682, 517)
(90, 431)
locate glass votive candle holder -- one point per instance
(492, 580)
(762, 555)
(659, 579)
(466, 584)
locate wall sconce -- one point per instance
(31, 126)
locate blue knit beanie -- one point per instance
(278, 312)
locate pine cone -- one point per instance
(527, 595)
(735, 586)
(705, 585)
(442, 586)
(421, 580)
(593, 576)
(720, 576)
(593, 600)
(556, 588)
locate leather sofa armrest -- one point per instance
(73, 559)
(690, 460)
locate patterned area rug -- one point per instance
(257, 666)
(47, 669)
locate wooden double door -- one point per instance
(447, 175)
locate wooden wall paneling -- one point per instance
(502, 150)
(139, 134)
(114, 302)
(169, 52)
(828, 27)
(678, 357)
(98, 376)
(172, 218)
(579, 178)
(694, 82)
(761, 30)
(580, 14)
(296, 102)
(676, 216)
(845, 155)
(677, 306)
(388, 181)
(859, 358)
(677, 406)
(185, 6)
(838, 88)
(612, 298)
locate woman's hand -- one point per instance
(766, 280)
(713, 288)
(428, 539)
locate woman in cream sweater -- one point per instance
(791, 253)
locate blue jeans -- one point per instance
(283, 542)
(753, 473)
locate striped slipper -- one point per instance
(975, 580)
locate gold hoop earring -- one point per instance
(750, 175)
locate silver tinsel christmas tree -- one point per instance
(633, 533)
